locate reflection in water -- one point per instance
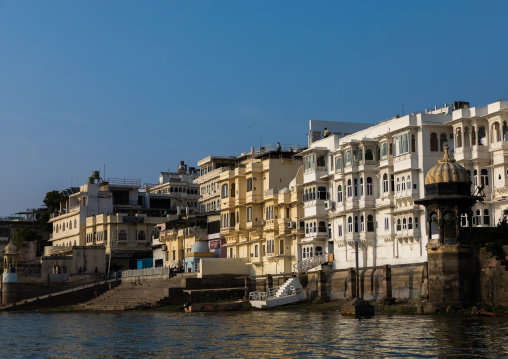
(256, 334)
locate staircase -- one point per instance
(138, 294)
(310, 263)
(290, 292)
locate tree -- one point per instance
(48, 227)
(51, 200)
(25, 234)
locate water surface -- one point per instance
(249, 334)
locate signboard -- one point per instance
(133, 219)
(215, 244)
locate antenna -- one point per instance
(104, 174)
(403, 107)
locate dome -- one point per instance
(10, 248)
(447, 171)
(200, 247)
(285, 190)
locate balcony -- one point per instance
(227, 202)
(270, 192)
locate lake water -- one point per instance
(249, 334)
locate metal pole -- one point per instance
(357, 272)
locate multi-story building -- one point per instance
(361, 188)
(210, 169)
(176, 191)
(259, 209)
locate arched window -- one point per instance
(356, 224)
(478, 217)
(467, 140)
(232, 219)
(361, 186)
(398, 184)
(458, 138)
(486, 217)
(433, 142)
(141, 236)
(404, 223)
(484, 177)
(313, 193)
(362, 224)
(356, 187)
(482, 138)
(385, 183)
(410, 223)
(122, 235)
(306, 195)
(306, 228)
(314, 230)
(398, 225)
(473, 136)
(349, 189)
(442, 141)
(370, 187)
(232, 189)
(403, 183)
(370, 223)
(350, 224)
(384, 150)
(75, 224)
(369, 156)
(339, 193)
(408, 182)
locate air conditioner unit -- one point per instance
(327, 205)
(291, 225)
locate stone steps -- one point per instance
(130, 295)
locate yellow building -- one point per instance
(177, 243)
(260, 204)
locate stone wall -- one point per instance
(493, 278)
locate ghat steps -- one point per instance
(134, 294)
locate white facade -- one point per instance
(361, 188)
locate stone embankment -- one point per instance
(134, 294)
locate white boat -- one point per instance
(290, 292)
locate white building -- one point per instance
(361, 188)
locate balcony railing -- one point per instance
(123, 182)
(309, 263)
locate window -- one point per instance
(249, 184)
(442, 142)
(349, 189)
(369, 155)
(410, 223)
(256, 251)
(308, 163)
(403, 183)
(401, 144)
(232, 189)
(281, 246)
(314, 229)
(404, 223)
(225, 190)
(478, 217)
(356, 224)
(370, 223)
(433, 142)
(322, 193)
(249, 214)
(122, 235)
(484, 177)
(270, 246)
(387, 223)
(385, 183)
(75, 224)
(321, 162)
(398, 184)
(370, 186)
(141, 236)
(306, 228)
(348, 157)
(322, 227)
(339, 230)
(350, 224)
(416, 222)
(362, 224)
(486, 217)
(399, 227)
(232, 219)
(338, 164)
(356, 187)
(408, 181)
(384, 150)
(339, 194)
(361, 186)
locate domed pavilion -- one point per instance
(198, 251)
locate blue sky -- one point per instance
(139, 86)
